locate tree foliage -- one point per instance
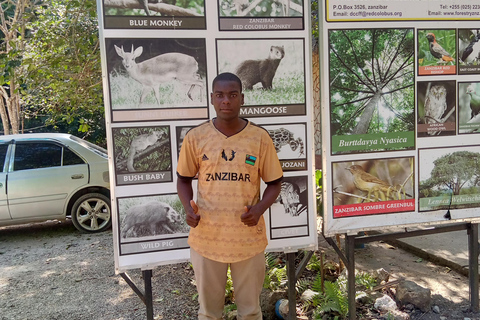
(454, 171)
(371, 80)
(62, 68)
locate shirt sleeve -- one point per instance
(270, 167)
(187, 160)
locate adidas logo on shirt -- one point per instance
(205, 158)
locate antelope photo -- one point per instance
(160, 69)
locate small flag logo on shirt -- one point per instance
(250, 160)
(205, 158)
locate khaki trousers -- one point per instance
(211, 278)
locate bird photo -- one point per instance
(469, 45)
(372, 181)
(469, 107)
(435, 104)
(474, 103)
(436, 108)
(371, 184)
(438, 48)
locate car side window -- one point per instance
(3, 154)
(70, 158)
(34, 155)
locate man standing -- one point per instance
(230, 155)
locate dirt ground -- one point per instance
(51, 271)
(449, 289)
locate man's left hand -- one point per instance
(251, 216)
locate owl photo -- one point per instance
(436, 108)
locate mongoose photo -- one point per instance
(252, 72)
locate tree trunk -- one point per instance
(13, 30)
(13, 112)
(4, 116)
(367, 114)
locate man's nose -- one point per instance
(226, 100)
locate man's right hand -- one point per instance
(192, 217)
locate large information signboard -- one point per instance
(158, 62)
(401, 113)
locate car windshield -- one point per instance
(98, 150)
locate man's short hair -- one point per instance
(227, 76)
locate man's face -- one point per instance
(227, 99)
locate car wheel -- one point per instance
(91, 213)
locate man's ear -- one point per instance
(211, 98)
(243, 99)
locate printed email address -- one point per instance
(375, 14)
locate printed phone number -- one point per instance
(460, 6)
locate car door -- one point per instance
(4, 213)
(41, 178)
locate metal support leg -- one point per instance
(473, 265)
(147, 277)
(292, 301)
(349, 248)
(147, 296)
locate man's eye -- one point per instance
(233, 95)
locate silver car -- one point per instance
(51, 176)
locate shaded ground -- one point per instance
(51, 271)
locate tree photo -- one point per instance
(372, 88)
(449, 178)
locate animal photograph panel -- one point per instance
(260, 8)
(437, 51)
(272, 70)
(373, 186)
(141, 152)
(180, 132)
(156, 73)
(436, 110)
(468, 107)
(449, 178)
(154, 8)
(372, 89)
(288, 139)
(469, 51)
(144, 218)
(291, 206)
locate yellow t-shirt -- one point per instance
(229, 173)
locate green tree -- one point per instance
(14, 16)
(371, 70)
(62, 70)
(455, 171)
